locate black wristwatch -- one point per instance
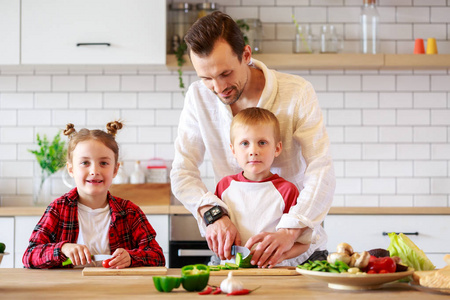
(213, 214)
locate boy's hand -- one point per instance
(272, 246)
(121, 259)
(221, 235)
(78, 254)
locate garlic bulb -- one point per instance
(230, 284)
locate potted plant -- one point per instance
(51, 157)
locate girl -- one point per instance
(88, 219)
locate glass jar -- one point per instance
(181, 17)
(205, 8)
(254, 33)
(303, 39)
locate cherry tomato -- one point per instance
(381, 265)
(105, 263)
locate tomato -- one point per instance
(381, 265)
(105, 263)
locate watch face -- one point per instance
(215, 211)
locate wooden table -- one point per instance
(70, 284)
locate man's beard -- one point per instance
(231, 101)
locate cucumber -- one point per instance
(244, 263)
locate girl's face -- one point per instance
(254, 148)
(93, 168)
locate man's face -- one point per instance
(222, 72)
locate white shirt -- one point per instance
(305, 160)
(94, 229)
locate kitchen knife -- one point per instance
(95, 257)
(239, 249)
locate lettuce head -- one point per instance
(409, 253)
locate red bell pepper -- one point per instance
(381, 265)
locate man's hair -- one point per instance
(255, 116)
(206, 31)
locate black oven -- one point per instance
(186, 245)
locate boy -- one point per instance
(256, 198)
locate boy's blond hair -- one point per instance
(255, 116)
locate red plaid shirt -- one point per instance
(129, 229)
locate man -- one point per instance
(231, 81)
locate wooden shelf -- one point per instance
(341, 61)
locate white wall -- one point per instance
(389, 129)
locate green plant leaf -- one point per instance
(51, 156)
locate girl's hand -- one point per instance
(121, 259)
(78, 254)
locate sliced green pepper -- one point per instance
(195, 277)
(244, 262)
(166, 283)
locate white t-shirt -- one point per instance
(94, 229)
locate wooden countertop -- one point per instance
(179, 209)
(70, 284)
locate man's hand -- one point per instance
(221, 235)
(272, 246)
(78, 254)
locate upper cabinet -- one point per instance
(93, 32)
(9, 32)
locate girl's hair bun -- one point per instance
(113, 127)
(70, 130)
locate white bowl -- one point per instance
(1, 256)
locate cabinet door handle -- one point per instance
(405, 233)
(93, 44)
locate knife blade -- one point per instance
(239, 249)
(95, 257)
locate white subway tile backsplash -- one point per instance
(440, 83)
(310, 14)
(336, 134)
(348, 186)
(413, 117)
(344, 83)
(425, 31)
(18, 169)
(155, 135)
(378, 117)
(396, 100)
(242, 12)
(101, 117)
(413, 15)
(413, 151)
(140, 83)
(168, 83)
(430, 200)
(138, 117)
(51, 100)
(135, 152)
(396, 31)
(440, 151)
(413, 186)
(34, 83)
(440, 14)
(63, 116)
(167, 117)
(396, 168)
(413, 83)
(8, 83)
(8, 118)
(344, 117)
(331, 100)
(362, 201)
(396, 134)
(40, 117)
(85, 100)
(433, 168)
(440, 185)
(120, 100)
(378, 151)
(8, 152)
(361, 100)
(345, 151)
(258, 2)
(361, 134)
(8, 186)
(344, 14)
(430, 100)
(396, 201)
(19, 100)
(382, 83)
(430, 134)
(361, 169)
(379, 186)
(167, 151)
(440, 117)
(69, 83)
(103, 83)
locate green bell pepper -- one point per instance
(166, 283)
(195, 277)
(244, 262)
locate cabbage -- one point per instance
(409, 253)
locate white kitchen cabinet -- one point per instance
(93, 32)
(7, 237)
(9, 32)
(24, 228)
(161, 225)
(364, 232)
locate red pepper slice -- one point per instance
(217, 291)
(207, 291)
(242, 292)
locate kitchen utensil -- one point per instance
(346, 281)
(275, 271)
(419, 48)
(239, 249)
(137, 271)
(96, 257)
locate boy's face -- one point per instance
(254, 148)
(93, 168)
(222, 73)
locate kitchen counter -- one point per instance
(179, 209)
(70, 284)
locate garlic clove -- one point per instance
(230, 284)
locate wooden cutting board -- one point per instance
(138, 271)
(276, 271)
